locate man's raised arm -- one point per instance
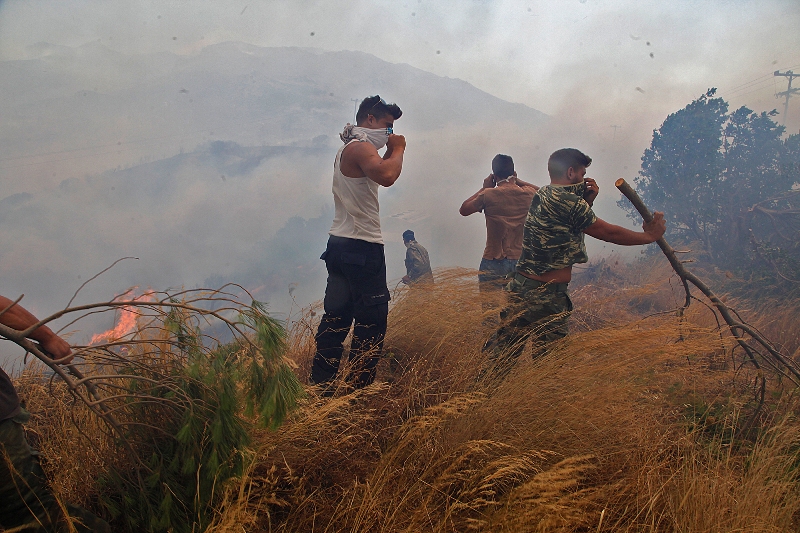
(474, 204)
(382, 170)
(612, 233)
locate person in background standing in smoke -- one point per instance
(354, 257)
(26, 501)
(504, 200)
(418, 265)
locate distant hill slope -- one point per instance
(69, 99)
(221, 213)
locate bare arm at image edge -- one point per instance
(19, 318)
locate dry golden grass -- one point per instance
(73, 443)
(630, 424)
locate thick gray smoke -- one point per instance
(149, 130)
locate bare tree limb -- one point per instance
(736, 327)
(85, 283)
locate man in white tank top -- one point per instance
(356, 290)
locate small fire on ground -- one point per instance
(126, 323)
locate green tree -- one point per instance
(681, 169)
(708, 169)
(751, 153)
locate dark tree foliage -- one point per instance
(725, 183)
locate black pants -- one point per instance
(357, 292)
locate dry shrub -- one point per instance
(780, 327)
(714, 490)
(74, 444)
(625, 426)
(630, 424)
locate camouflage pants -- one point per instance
(26, 502)
(537, 311)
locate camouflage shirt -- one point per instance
(418, 266)
(553, 234)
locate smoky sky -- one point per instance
(605, 74)
(529, 52)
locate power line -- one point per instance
(747, 85)
(760, 86)
(751, 86)
(742, 95)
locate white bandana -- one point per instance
(377, 138)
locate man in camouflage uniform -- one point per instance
(26, 501)
(559, 215)
(418, 265)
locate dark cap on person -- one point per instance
(408, 235)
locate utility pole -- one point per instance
(355, 104)
(788, 92)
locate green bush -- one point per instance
(189, 418)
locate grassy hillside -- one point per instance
(639, 421)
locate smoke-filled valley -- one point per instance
(220, 166)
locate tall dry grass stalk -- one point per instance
(73, 443)
(630, 424)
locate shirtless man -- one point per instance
(504, 200)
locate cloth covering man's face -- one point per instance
(377, 130)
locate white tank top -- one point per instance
(356, 213)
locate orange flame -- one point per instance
(127, 320)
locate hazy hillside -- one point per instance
(195, 164)
(90, 108)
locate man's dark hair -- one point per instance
(408, 235)
(378, 108)
(502, 166)
(562, 160)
